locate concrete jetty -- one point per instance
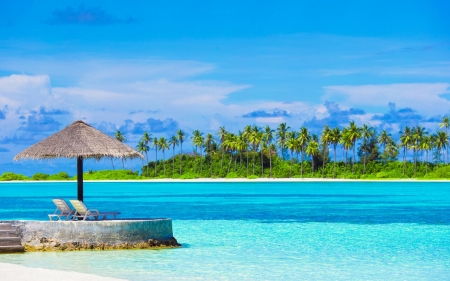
(94, 235)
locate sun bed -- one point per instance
(83, 213)
(62, 210)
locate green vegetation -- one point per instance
(284, 153)
(258, 152)
(63, 176)
(8, 176)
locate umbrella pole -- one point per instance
(80, 177)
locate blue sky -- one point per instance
(161, 66)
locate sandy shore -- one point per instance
(248, 180)
(14, 272)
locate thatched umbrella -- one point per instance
(81, 141)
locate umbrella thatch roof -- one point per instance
(78, 139)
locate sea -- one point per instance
(258, 230)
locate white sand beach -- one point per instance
(273, 180)
(14, 272)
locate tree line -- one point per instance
(258, 149)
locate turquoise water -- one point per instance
(260, 231)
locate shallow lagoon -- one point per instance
(254, 230)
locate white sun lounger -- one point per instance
(62, 210)
(83, 213)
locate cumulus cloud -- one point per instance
(426, 95)
(38, 122)
(2, 113)
(25, 138)
(151, 125)
(336, 116)
(85, 16)
(403, 115)
(266, 114)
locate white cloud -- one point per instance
(425, 96)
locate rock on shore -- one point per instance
(52, 244)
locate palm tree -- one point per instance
(230, 144)
(334, 138)
(441, 141)
(146, 139)
(445, 123)
(222, 134)
(312, 149)
(208, 144)
(141, 148)
(195, 141)
(383, 139)
(180, 136)
(325, 139)
(417, 137)
(272, 149)
(366, 134)
(426, 144)
(254, 138)
(241, 146)
(281, 136)
(247, 135)
(199, 142)
(259, 142)
(120, 137)
(405, 141)
(303, 138)
(268, 138)
(163, 145)
(347, 144)
(291, 144)
(355, 134)
(155, 144)
(173, 142)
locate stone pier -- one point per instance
(95, 235)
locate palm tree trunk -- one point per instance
(290, 169)
(173, 161)
(312, 167)
(415, 161)
(235, 161)
(302, 163)
(123, 164)
(346, 160)
(112, 163)
(229, 164)
(221, 161)
(156, 160)
(334, 173)
(254, 152)
(262, 167)
(211, 165)
(247, 163)
(164, 162)
(323, 161)
(181, 154)
(270, 162)
(365, 156)
(354, 157)
(404, 159)
(201, 159)
(195, 159)
(146, 157)
(426, 163)
(240, 161)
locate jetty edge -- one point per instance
(42, 236)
